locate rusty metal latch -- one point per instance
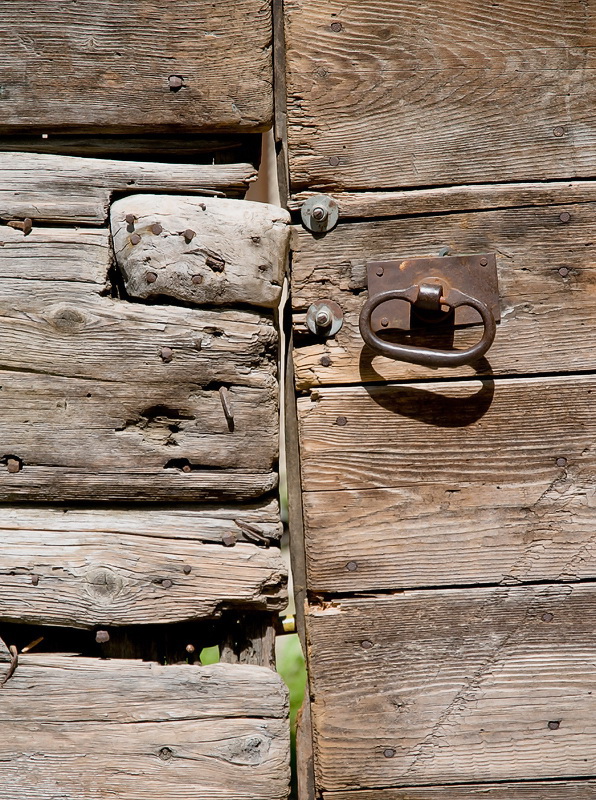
(452, 290)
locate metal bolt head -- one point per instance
(150, 277)
(380, 271)
(187, 569)
(561, 462)
(554, 724)
(384, 322)
(167, 354)
(366, 644)
(351, 566)
(35, 579)
(323, 317)
(388, 752)
(326, 361)
(135, 238)
(156, 228)
(563, 272)
(565, 216)
(130, 219)
(175, 81)
(189, 235)
(341, 421)
(483, 262)
(101, 637)
(166, 584)
(559, 131)
(336, 27)
(13, 465)
(319, 213)
(334, 161)
(197, 279)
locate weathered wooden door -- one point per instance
(139, 392)
(449, 513)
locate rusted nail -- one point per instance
(334, 161)
(186, 468)
(14, 662)
(554, 724)
(351, 566)
(202, 206)
(165, 754)
(563, 272)
(190, 648)
(27, 225)
(565, 216)
(187, 569)
(167, 354)
(224, 396)
(380, 272)
(341, 421)
(252, 532)
(175, 82)
(189, 235)
(483, 262)
(229, 539)
(150, 277)
(558, 131)
(167, 583)
(130, 219)
(156, 228)
(197, 279)
(326, 361)
(384, 322)
(336, 27)
(216, 263)
(547, 617)
(561, 462)
(198, 344)
(14, 464)
(31, 645)
(135, 238)
(35, 579)
(388, 752)
(366, 644)
(101, 637)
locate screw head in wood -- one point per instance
(334, 161)
(366, 644)
(388, 752)
(336, 27)
(167, 354)
(187, 569)
(156, 228)
(384, 322)
(565, 216)
(561, 462)
(167, 583)
(13, 465)
(341, 421)
(563, 272)
(547, 617)
(351, 566)
(326, 361)
(559, 131)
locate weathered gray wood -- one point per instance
(207, 251)
(105, 67)
(473, 197)
(250, 640)
(546, 285)
(4, 652)
(84, 728)
(526, 790)
(449, 483)
(454, 686)
(54, 188)
(384, 94)
(60, 574)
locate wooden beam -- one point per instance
(525, 790)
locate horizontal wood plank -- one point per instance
(106, 67)
(385, 95)
(453, 686)
(66, 189)
(525, 790)
(62, 574)
(203, 251)
(81, 728)
(546, 285)
(449, 483)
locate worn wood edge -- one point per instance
(580, 789)
(71, 189)
(441, 200)
(305, 772)
(280, 102)
(4, 652)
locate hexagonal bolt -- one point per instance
(323, 317)
(319, 213)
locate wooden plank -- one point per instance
(96, 388)
(526, 790)
(207, 251)
(454, 686)
(62, 574)
(546, 280)
(105, 67)
(449, 483)
(385, 95)
(54, 188)
(81, 728)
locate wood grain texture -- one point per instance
(449, 483)
(105, 67)
(66, 189)
(208, 251)
(179, 732)
(526, 790)
(546, 283)
(385, 95)
(60, 574)
(454, 686)
(96, 388)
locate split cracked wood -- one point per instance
(453, 686)
(204, 251)
(176, 731)
(121, 568)
(53, 188)
(384, 94)
(454, 483)
(106, 67)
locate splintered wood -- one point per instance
(127, 729)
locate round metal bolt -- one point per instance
(101, 637)
(366, 644)
(187, 569)
(341, 421)
(167, 354)
(563, 272)
(559, 131)
(547, 617)
(384, 322)
(175, 81)
(130, 219)
(483, 262)
(187, 468)
(334, 161)
(135, 238)
(319, 213)
(166, 584)
(156, 228)
(323, 317)
(554, 724)
(150, 277)
(561, 462)
(388, 752)
(326, 361)
(336, 27)
(565, 216)
(351, 566)
(380, 272)
(197, 279)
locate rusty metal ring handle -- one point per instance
(425, 355)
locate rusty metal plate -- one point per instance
(476, 275)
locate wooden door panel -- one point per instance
(125, 728)
(385, 94)
(106, 66)
(426, 687)
(546, 286)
